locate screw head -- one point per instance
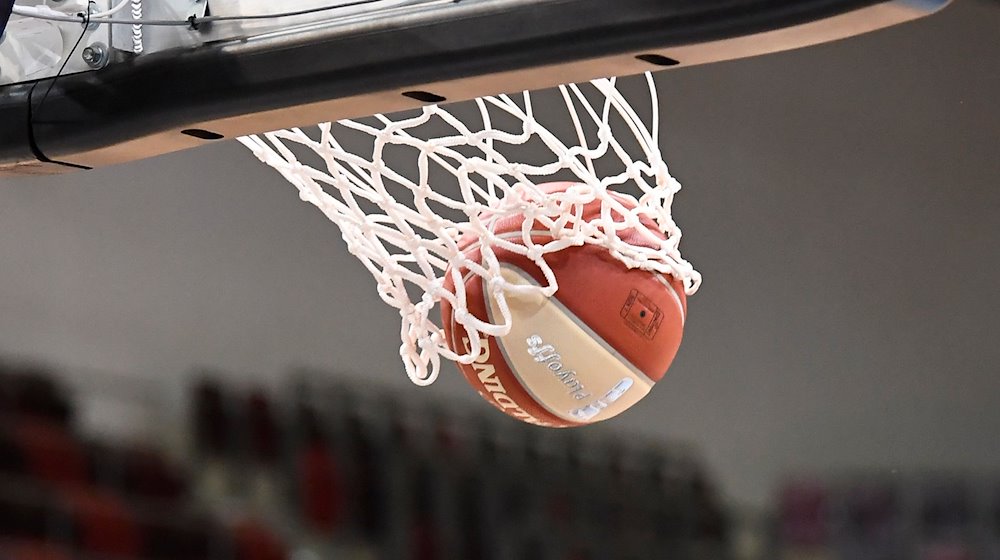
(96, 55)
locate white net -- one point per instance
(404, 189)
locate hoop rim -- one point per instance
(234, 88)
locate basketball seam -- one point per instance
(604, 343)
(510, 364)
(660, 277)
(541, 405)
(584, 327)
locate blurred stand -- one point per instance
(322, 469)
(889, 516)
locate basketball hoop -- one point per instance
(404, 189)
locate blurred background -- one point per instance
(193, 367)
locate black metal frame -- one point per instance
(175, 89)
(6, 6)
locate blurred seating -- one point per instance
(49, 451)
(212, 434)
(321, 490)
(31, 391)
(33, 550)
(255, 541)
(874, 516)
(802, 511)
(172, 535)
(345, 472)
(65, 498)
(265, 445)
(26, 509)
(104, 525)
(147, 475)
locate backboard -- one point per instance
(201, 70)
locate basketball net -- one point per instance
(448, 179)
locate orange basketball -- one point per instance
(585, 355)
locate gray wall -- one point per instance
(841, 201)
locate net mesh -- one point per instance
(404, 189)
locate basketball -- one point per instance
(588, 353)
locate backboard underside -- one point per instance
(411, 54)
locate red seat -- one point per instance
(179, 536)
(104, 524)
(264, 442)
(803, 513)
(423, 545)
(254, 541)
(50, 452)
(11, 458)
(32, 550)
(148, 475)
(211, 420)
(32, 391)
(26, 510)
(320, 488)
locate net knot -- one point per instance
(497, 284)
(394, 270)
(435, 289)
